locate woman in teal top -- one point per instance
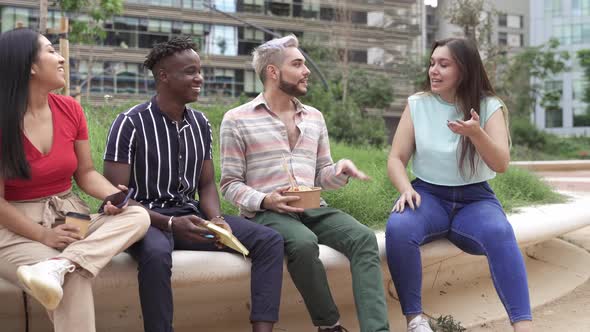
(456, 134)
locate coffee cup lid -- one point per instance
(78, 215)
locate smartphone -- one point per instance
(118, 199)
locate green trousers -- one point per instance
(302, 233)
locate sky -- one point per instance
(431, 2)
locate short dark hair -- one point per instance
(166, 49)
(19, 49)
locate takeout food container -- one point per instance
(308, 198)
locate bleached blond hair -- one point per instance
(271, 53)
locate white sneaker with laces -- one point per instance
(44, 280)
(419, 324)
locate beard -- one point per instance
(290, 88)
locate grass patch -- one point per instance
(369, 202)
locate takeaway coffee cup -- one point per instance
(309, 198)
(79, 219)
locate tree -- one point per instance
(466, 14)
(519, 78)
(346, 122)
(584, 59)
(476, 19)
(524, 75)
(87, 18)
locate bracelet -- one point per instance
(218, 217)
(170, 224)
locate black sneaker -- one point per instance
(338, 328)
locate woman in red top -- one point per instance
(43, 144)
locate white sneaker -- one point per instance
(43, 280)
(419, 324)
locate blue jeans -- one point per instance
(472, 218)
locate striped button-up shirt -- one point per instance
(255, 147)
(166, 156)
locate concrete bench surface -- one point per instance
(212, 291)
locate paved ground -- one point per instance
(571, 312)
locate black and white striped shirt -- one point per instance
(166, 156)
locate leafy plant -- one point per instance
(446, 324)
(522, 77)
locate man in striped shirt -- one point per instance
(257, 140)
(162, 149)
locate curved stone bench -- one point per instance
(212, 289)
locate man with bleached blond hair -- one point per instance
(257, 139)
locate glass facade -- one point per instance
(569, 22)
(110, 77)
(130, 32)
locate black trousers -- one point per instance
(154, 257)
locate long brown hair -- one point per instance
(473, 86)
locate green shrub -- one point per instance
(524, 133)
(345, 121)
(530, 143)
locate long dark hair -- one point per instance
(18, 52)
(473, 86)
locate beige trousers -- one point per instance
(107, 236)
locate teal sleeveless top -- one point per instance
(436, 159)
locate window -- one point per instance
(96, 82)
(515, 21)
(586, 33)
(556, 8)
(430, 19)
(553, 8)
(17, 17)
(126, 77)
(249, 38)
(580, 7)
(112, 77)
(563, 33)
(194, 4)
(357, 56)
(197, 31)
(278, 7)
(359, 17)
(250, 6)
(515, 40)
(554, 118)
(252, 85)
(581, 116)
(580, 33)
(376, 55)
(553, 85)
(502, 38)
(228, 6)
(306, 8)
(220, 81)
(327, 14)
(553, 111)
(222, 40)
(502, 20)
(163, 3)
(578, 88)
